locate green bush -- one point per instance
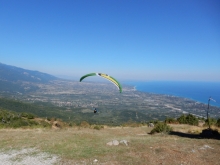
(188, 119)
(98, 127)
(218, 123)
(161, 128)
(170, 121)
(27, 115)
(182, 119)
(19, 123)
(33, 123)
(45, 124)
(192, 120)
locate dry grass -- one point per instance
(191, 129)
(83, 145)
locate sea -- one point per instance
(197, 91)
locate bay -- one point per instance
(197, 91)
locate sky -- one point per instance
(140, 40)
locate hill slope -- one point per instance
(14, 74)
(15, 79)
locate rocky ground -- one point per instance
(27, 156)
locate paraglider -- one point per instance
(111, 79)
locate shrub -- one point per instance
(188, 119)
(210, 121)
(33, 123)
(45, 124)
(182, 119)
(171, 121)
(98, 127)
(161, 127)
(19, 123)
(27, 115)
(218, 123)
(192, 120)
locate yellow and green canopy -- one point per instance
(113, 80)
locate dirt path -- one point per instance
(27, 157)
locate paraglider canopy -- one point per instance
(113, 80)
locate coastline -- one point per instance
(195, 91)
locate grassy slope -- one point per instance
(82, 145)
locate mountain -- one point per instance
(13, 74)
(13, 78)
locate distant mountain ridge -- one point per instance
(14, 79)
(14, 74)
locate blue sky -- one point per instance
(127, 39)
